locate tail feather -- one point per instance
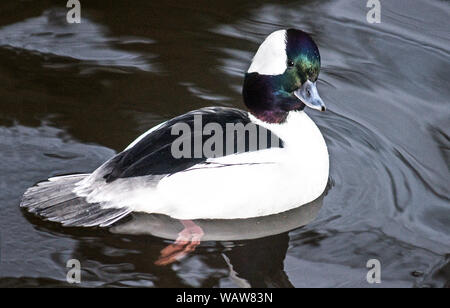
(41, 202)
(55, 201)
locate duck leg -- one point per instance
(188, 239)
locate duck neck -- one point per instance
(264, 101)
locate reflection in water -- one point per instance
(387, 132)
(51, 34)
(259, 263)
(217, 229)
(130, 261)
(222, 229)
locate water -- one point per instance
(73, 95)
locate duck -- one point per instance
(214, 162)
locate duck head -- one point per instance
(282, 76)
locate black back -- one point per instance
(153, 154)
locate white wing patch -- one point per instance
(271, 58)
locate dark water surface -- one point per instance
(73, 95)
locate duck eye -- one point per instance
(290, 63)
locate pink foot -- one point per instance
(187, 240)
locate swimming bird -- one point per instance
(214, 162)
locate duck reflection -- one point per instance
(163, 226)
(259, 263)
(259, 258)
(251, 251)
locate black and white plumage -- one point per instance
(290, 169)
(151, 154)
(55, 200)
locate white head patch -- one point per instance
(271, 58)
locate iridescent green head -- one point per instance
(303, 58)
(283, 75)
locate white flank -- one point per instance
(271, 58)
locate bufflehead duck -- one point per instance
(243, 183)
